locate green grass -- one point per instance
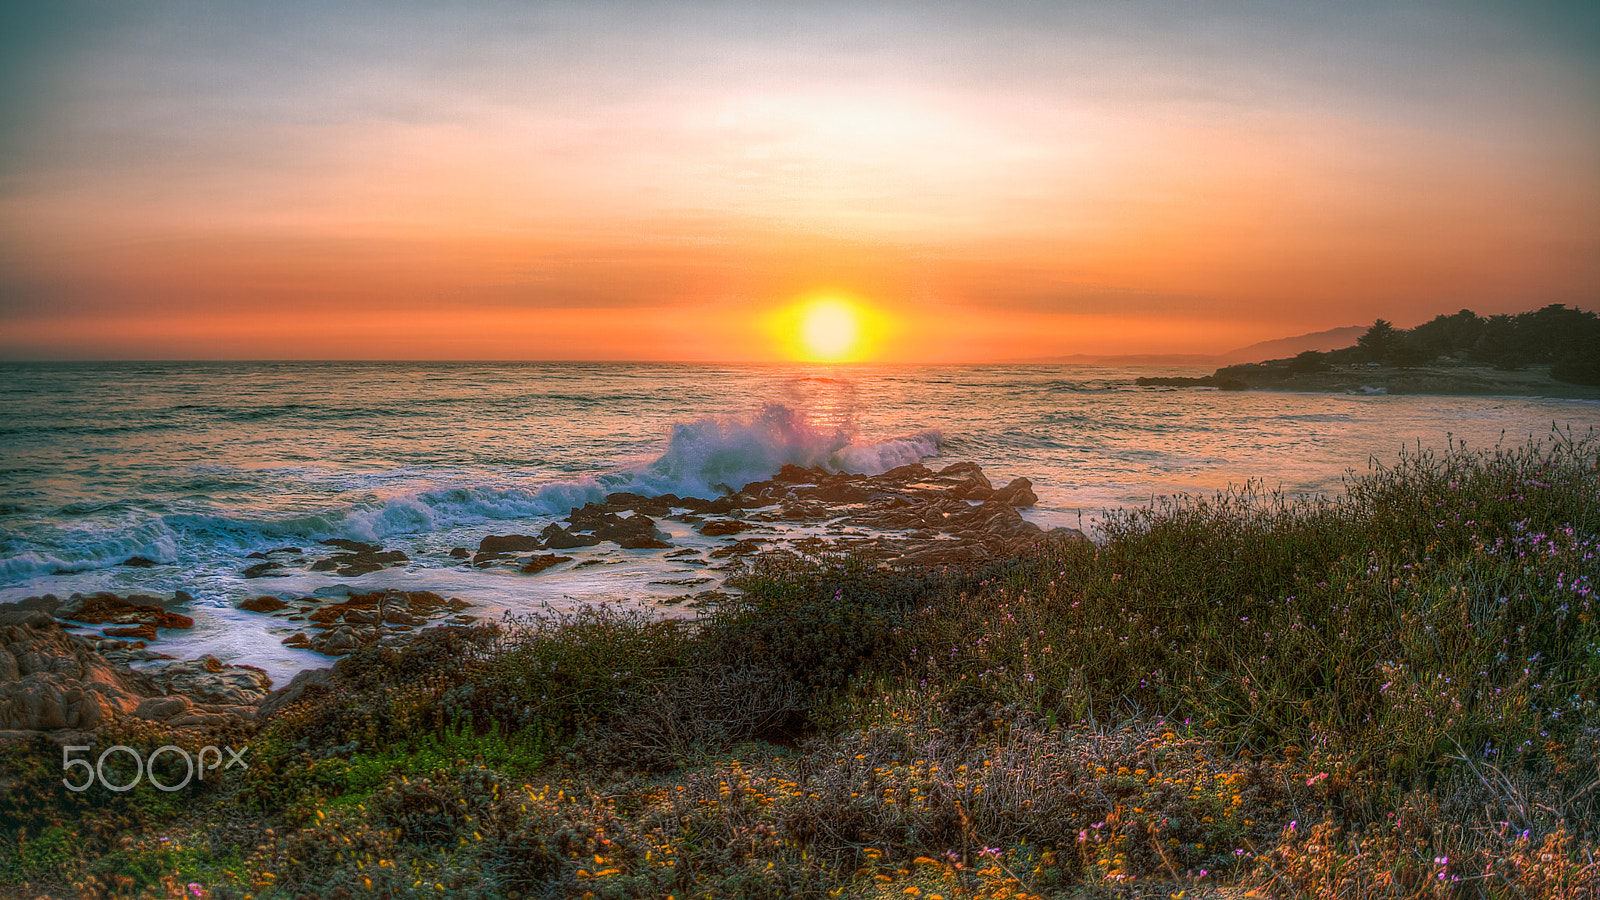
(1391, 692)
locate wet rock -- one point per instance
(362, 619)
(263, 605)
(351, 546)
(138, 562)
(110, 609)
(1018, 493)
(723, 527)
(400, 617)
(739, 548)
(508, 543)
(558, 538)
(652, 506)
(263, 570)
(460, 553)
(142, 632)
(536, 564)
(632, 532)
(359, 562)
(643, 543)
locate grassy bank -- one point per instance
(1388, 693)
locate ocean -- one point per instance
(195, 466)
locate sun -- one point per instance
(830, 330)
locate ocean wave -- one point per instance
(703, 458)
(86, 549)
(713, 455)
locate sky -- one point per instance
(676, 181)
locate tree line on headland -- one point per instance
(1567, 341)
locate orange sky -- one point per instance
(583, 181)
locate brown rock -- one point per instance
(1018, 493)
(352, 546)
(558, 538)
(263, 605)
(109, 609)
(160, 709)
(509, 543)
(721, 527)
(536, 564)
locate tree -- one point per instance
(1378, 342)
(1308, 361)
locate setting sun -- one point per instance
(829, 327)
(829, 330)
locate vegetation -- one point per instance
(1388, 693)
(1567, 340)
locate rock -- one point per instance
(654, 506)
(50, 680)
(359, 562)
(49, 603)
(143, 632)
(298, 639)
(966, 472)
(305, 686)
(262, 570)
(459, 553)
(352, 546)
(160, 709)
(558, 538)
(634, 532)
(643, 543)
(107, 608)
(138, 562)
(536, 564)
(1018, 493)
(720, 528)
(1065, 536)
(210, 680)
(263, 605)
(739, 548)
(509, 543)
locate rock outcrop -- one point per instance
(337, 628)
(51, 680)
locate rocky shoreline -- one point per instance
(1449, 379)
(69, 668)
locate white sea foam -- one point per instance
(703, 458)
(711, 456)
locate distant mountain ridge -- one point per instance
(1280, 348)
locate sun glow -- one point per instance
(828, 328)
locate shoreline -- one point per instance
(1215, 699)
(907, 519)
(1372, 379)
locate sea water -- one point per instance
(197, 465)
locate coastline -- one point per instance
(1364, 378)
(1129, 716)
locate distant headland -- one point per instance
(1550, 352)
